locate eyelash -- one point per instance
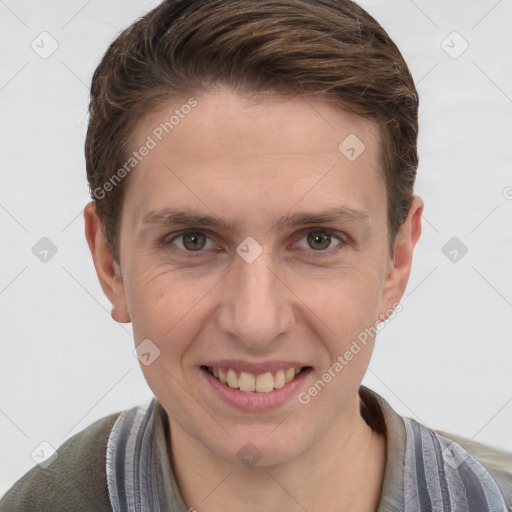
(167, 241)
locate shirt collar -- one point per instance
(383, 419)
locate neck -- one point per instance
(344, 471)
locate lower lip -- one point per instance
(252, 401)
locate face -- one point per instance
(252, 244)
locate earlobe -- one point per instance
(107, 269)
(400, 266)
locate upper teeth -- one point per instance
(262, 383)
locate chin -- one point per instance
(257, 451)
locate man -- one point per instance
(252, 167)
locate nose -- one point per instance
(256, 306)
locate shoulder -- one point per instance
(75, 480)
(497, 462)
(427, 469)
(450, 468)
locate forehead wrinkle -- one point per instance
(168, 216)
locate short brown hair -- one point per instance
(328, 48)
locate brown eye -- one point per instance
(322, 241)
(189, 244)
(193, 241)
(319, 240)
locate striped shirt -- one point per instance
(425, 471)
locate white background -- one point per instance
(445, 359)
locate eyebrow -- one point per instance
(170, 216)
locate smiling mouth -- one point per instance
(249, 382)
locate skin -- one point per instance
(254, 163)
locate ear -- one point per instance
(107, 269)
(400, 266)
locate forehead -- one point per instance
(275, 147)
(228, 124)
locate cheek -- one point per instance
(349, 309)
(167, 311)
(163, 306)
(347, 301)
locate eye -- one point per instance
(189, 241)
(320, 240)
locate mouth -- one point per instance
(265, 382)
